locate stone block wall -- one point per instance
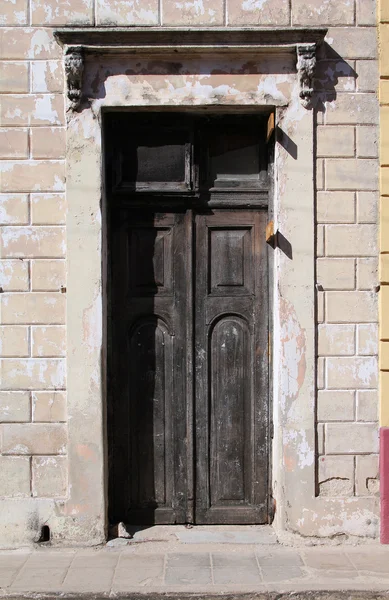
(33, 461)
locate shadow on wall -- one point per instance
(331, 71)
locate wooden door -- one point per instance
(187, 319)
(231, 366)
(149, 353)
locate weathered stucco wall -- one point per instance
(326, 442)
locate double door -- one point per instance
(188, 387)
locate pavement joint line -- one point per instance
(211, 563)
(114, 572)
(259, 566)
(68, 569)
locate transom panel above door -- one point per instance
(188, 418)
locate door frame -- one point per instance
(293, 296)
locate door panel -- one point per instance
(147, 408)
(231, 367)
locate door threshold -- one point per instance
(196, 534)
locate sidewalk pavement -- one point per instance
(165, 564)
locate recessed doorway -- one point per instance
(188, 318)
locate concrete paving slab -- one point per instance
(232, 561)
(188, 575)
(189, 559)
(278, 557)
(240, 575)
(331, 558)
(90, 580)
(39, 579)
(277, 574)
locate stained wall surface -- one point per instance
(33, 215)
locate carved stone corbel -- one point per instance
(74, 67)
(306, 64)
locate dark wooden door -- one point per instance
(188, 419)
(231, 366)
(148, 407)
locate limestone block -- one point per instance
(47, 76)
(14, 77)
(48, 142)
(367, 141)
(367, 207)
(366, 12)
(34, 175)
(319, 174)
(49, 476)
(351, 174)
(367, 273)
(40, 109)
(14, 476)
(336, 476)
(48, 209)
(367, 405)
(48, 341)
(367, 339)
(321, 364)
(367, 75)
(33, 308)
(320, 438)
(34, 438)
(353, 109)
(319, 240)
(351, 240)
(318, 13)
(14, 12)
(320, 307)
(335, 141)
(14, 275)
(336, 340)
(384, 43)
(335, 207)
(352, 372)
(14, 341)
(60, 12)
(14, 209)
(354, 307)
(353, 42)
(333, 74)
(351, 438)
(48, 275)
(335, 405)
(28, 42)
(269, 12)
(336, 273)
(120, 12)
(15, 407)
(209, 12)
(384, 356)
(31, 242)
(367, 476)
(32, 374)
(13, 143)
(384, 268)
(49, 406)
